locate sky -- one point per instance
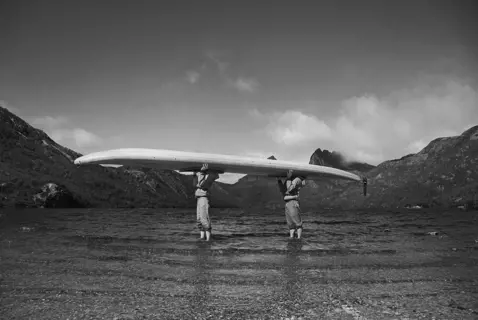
(374, 80)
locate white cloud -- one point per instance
(241, 84)
(192, 76)
(230, 178)
(61, 131)
(416, 146)
(221, 65)
(10, 108)
(84, 138)
(49, 122)
(255, 113)
(75, 137)
(245, 84)
(373, 129)
(294, 127)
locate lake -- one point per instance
(150, 264)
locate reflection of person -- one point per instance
(290, 295)
(203, 181)
(292, 279)
(201, 278)
(290, 191)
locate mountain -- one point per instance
(32, 165)
(257, 191)
(442, 174)
(36, 171)
(336, 160)
(254, 191)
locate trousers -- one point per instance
(292, 214)
(202, 214)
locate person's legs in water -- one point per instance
(203, 221)
(293, 217)
(299, 233)
(289, 218)
(198, 219)
(207, 221)
(298, 219)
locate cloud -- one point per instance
(245, 84)
(416, 146)
(221, 65)
(10, 108)
(60, 130)
(255, 113)
(80, 137)
(373, 129)
(241, 84)
(230, 178)
(192, 76)
(49, 122)
(294, 127)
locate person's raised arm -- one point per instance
(281, 186)
(298, 182)
(214, 175)
(195, 178)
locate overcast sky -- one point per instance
(374, 80)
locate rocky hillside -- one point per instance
(336, 160)
(32, 165)
(442, 174)
(263, 192)
(36, 171)
(255, 191)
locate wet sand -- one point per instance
(149, 264)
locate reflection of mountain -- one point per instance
(443, 173)
(29, 159)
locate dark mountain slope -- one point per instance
(442, 174)
(336, 160)
(29, 159)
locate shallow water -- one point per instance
(141, 264)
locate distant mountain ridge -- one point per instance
(30, 159)
(337, 160)
(442, 174)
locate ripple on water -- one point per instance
(152, 259)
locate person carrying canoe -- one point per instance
(203, 181)
(289, 189)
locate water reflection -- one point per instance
(291, 291)
(199, 300)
